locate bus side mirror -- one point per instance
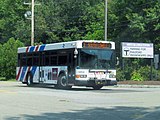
(75, 56)
(117, 61)
(75, 53)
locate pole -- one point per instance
(32, 24)
(151, 70)
(32, 20)
(105, 20)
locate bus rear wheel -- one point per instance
(97, 87)
(29, 79)
(63, 82)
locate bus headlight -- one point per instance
(81, 76)
(112, 76)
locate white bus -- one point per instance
(66, 64)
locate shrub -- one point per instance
(120, 75)
(145, 72)
(8, 58)
(156, 74)
(136, 76)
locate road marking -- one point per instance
(6, 91)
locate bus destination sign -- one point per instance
(96, 45)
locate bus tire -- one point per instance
(63, 82)
(97, 87)
(29, 79)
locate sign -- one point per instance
(96, 45)
(137, 50)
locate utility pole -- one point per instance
(32, 20)
(106, 20)
(32, 24)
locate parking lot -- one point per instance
(19, 102)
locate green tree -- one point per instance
(1, 60)
(10, 14)
(95, 26)
(9, 57)
(135, 21)
(68, 19)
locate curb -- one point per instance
(138, 86)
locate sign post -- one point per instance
(156, 60)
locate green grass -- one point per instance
(4, 79)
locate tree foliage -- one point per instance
(135, 21)
(68, 20)
(8, 58)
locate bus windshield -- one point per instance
(97, 59)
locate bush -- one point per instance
(144, 73)
(124, 74)
(141, 74)
(8, 58)
(136, 76)
(156, 74)
(120, 75)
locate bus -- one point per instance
(88, 63)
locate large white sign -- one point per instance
(137, 50)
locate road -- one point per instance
(19, 102)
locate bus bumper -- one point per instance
(95, 82)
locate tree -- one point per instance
(67, 16)
(66, 20)
(95, 26)
(9, 58)
(10, 14)
(135, 21)
(1, 60)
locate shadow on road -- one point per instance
(75, 88)
(117, 113)
(52, 87)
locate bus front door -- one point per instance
(71, 70)
(71, 75)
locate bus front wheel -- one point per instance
(63, 82)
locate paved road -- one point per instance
(19, 102)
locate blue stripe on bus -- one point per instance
(23, 73)
(42, 47)
(33, 70)
(31, 49)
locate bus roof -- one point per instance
(67, 45)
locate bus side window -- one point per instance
(29, 62)
(53, 60)
(62, 60)
(23, 61)
(19, 60)
(29, 58)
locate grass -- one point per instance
(4, 79)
